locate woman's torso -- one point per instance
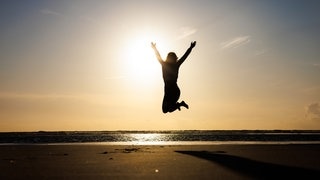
(170, 72)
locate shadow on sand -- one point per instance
(254, 169)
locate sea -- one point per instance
(176, 137)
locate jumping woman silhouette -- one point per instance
(170, 71)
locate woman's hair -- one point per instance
(172, 57)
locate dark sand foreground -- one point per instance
(160, 162)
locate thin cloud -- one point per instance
(50, 12)
(82, 18)
(8, 95)
(316, 65)
(313, 111)
(186, 31)
(260, 52)
(236, 42)
(91, 20)
(33, 97)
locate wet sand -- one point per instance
(299, 161)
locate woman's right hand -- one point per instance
(193, 44)
(153, 45)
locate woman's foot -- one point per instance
(184, 104)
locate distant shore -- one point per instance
(233, 161)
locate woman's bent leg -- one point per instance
(171, 97)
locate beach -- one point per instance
(100, 161)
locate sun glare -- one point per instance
(141, 62)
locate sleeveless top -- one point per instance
(170, 72)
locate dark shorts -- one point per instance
(171, 97)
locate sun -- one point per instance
(141, 64)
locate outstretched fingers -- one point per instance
(193, 44)
(153, 45)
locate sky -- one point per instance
(88, 65)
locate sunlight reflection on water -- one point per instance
(148, 137)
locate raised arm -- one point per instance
(186, 54)
(153, 45)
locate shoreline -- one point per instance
(170, 143)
